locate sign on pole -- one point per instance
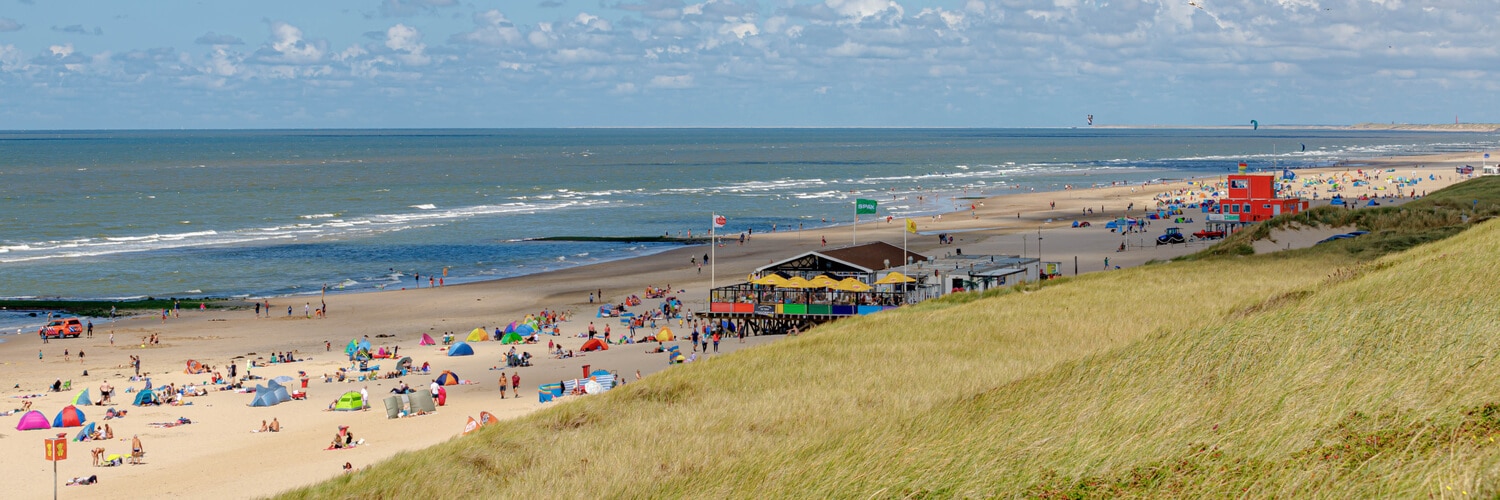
(864, 207)
(57, 449)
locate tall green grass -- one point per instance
(1301, 374)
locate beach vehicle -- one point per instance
(1172, 236)
(62, 328)
(1208, 235)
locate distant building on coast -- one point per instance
(828, 284)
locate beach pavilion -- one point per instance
(815, 287)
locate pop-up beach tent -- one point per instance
(427, 340)
(461, 349)
(525, 329)
(512, 338)
(84, 433)
(350, 401)
(270, 395)
(447, 378)
(70, 416)
(477, 335)
(146, 396)
(194, 367)
(594, 345)
(33, 420)
(82, 398)
(665, 335)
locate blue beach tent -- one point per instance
(461, 349)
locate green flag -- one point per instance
(863, 206)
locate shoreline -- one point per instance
(1005, 223)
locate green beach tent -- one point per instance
(513, 338)
(350, 401)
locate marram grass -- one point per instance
(1305, 374)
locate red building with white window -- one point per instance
(1252, 198)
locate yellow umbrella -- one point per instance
(773, 280)
(824, 281)
(799, 282)
(853, 285)
(895, 277)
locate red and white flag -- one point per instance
(719, 221)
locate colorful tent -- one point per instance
(353, 346)
(478, 335)
(144, 397)
(596, 345)
(84, 433)
(70, 416)
(364, 345)
(33, 420)
(512, 338)
(194, 367)
(427, 340)
(485, 418)
(665, 335)
(82, 398)
(461, 349)
(525, 329)
(350, 401)
(511, 327)
(447, 378)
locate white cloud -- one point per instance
(491, 28)
(592, 22)
(288, 47)
(672, 82)
(861, 9)
(407, 41)
(7, 25)
(61, 51)
(11, 58)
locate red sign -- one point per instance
(57, 449)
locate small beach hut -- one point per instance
(82, 398)
(84, 433)
(595, 345)
(477, 335)
(350, 401)
(461, 349)
(512, 338)
(33, 420)
(70, 416)
(427, 340)
(145, 397)
(665, 335)
(447, 378)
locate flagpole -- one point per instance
(713, 261)
(856, 223)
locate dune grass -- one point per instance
(1312, 373)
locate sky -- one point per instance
(170, 64)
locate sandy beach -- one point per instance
(218, 455)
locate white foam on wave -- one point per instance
(424, 206)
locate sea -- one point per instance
(252, 213)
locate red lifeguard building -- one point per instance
(1252, 198)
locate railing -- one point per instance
(756, 299)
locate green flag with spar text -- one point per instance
(863, 206)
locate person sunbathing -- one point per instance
(275, 425)
(264, 427)
(83, 481)
(337, 444)
(108, 432)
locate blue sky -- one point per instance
(68, 64)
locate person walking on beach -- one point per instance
(257, 309)
(307, 309)
(502, 385)
(91, 329)
(515, 384)
(111, 338)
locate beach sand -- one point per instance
(219, 456)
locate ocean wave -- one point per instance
(424, 206)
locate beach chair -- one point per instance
(68, 386)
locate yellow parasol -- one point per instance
(895, 277)
(852, 285)
(772, 279)
(799, 282)
(824, 281)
